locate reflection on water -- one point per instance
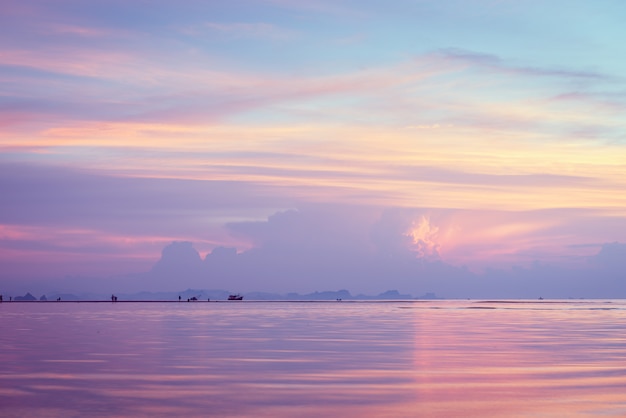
(396, 359)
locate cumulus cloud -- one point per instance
(310, 250)
(320, 228)
(322, 248)
(179, 267)
(612, 257)
(415, 233)
(178, 259)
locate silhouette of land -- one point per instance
(204, 296)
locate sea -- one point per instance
(441, 358)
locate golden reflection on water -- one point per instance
(391, 359)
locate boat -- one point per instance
(235, 297)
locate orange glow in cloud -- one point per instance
(425, 238)
(478, 239)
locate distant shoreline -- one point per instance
(477, 301)
(223, 301)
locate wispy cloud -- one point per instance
(250, 30)
(80, 31)
(498, 64)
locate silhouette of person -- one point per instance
(179, 298)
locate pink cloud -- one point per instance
(72, 61)
(78, 30)
(56, 251)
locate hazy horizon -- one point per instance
(181, 267)
(463, 148)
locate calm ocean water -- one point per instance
(314, 359)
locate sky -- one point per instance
(468, 147)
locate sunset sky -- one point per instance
(463, 147)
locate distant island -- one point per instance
(213, 295)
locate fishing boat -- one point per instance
(235, 297)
